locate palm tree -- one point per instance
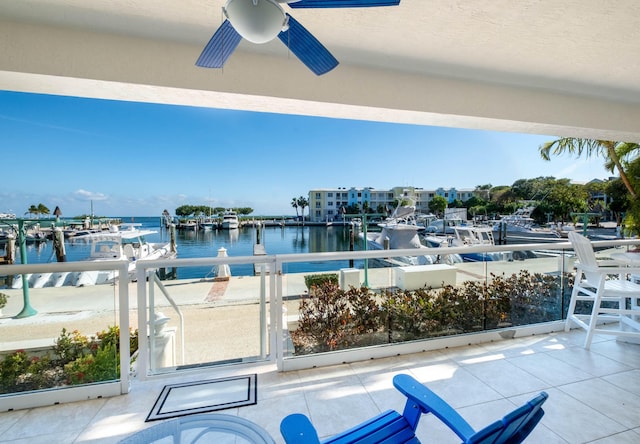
(613, 152)
(302, 203)
(32, 210)
(294, 204)
(42, 209)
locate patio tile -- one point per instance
(612, 401)
(549, 369)
(506, 378)
(573, 420)
(594, 395)
(593, 363)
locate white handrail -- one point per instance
(166, 294)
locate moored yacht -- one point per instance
(520, 227)
(125, 243)
(230, 220)
(400, 231)
(470, 236)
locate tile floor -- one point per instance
(594, 396)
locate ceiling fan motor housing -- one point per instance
(258, 21)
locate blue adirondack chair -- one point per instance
(391, 427)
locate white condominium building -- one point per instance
(330, 203)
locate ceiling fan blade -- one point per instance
(220, 47)
(342, 3)
(307, 48)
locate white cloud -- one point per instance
(90, 195)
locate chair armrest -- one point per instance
(420, 397)
(297, 429)
(615, 269)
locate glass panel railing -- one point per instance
(387, 301)
(221, 310)
(207, 315)
(55, 337)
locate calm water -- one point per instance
(240, 242)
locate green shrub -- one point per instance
(332, 319)
(316, 280)
(409, 315)
(75, 359)
(70, 346)
(102, 365)
(3, 300)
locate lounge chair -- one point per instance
(392, 427)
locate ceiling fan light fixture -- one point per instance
(258, 21)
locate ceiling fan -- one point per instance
(260, 21)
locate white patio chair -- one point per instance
(613, 295)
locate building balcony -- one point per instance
(222, 328)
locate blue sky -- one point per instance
(136, 159)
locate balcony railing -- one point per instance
(378, 307)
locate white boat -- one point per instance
(127, 243)
(444, 226)
(189, 224)
(208, 224)
(400, 231)
(520, 227)
(35, 237)
(470, 236)
(230, 220)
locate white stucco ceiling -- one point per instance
(584, 50)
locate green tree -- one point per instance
(33, 210)
(483, 191)
(244, 210)
(620, 156)
(567, 198)
(186, 210)
(532, 189)
(294, 204)
(302, 203)
(353, 209)
(503, 200)
(43, 210)
(437, 204)
(619, 199)
(613, 153)
(475, 201)
(476, 205)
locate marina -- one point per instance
(207, 324)
(273, 235)
(124, 242)
(275, 239)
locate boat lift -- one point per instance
(363, 217)
(22, 225)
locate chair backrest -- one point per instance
(392, 428)
(584, 250)
(129, 252)
(514, 427)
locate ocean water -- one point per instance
(240, 242)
